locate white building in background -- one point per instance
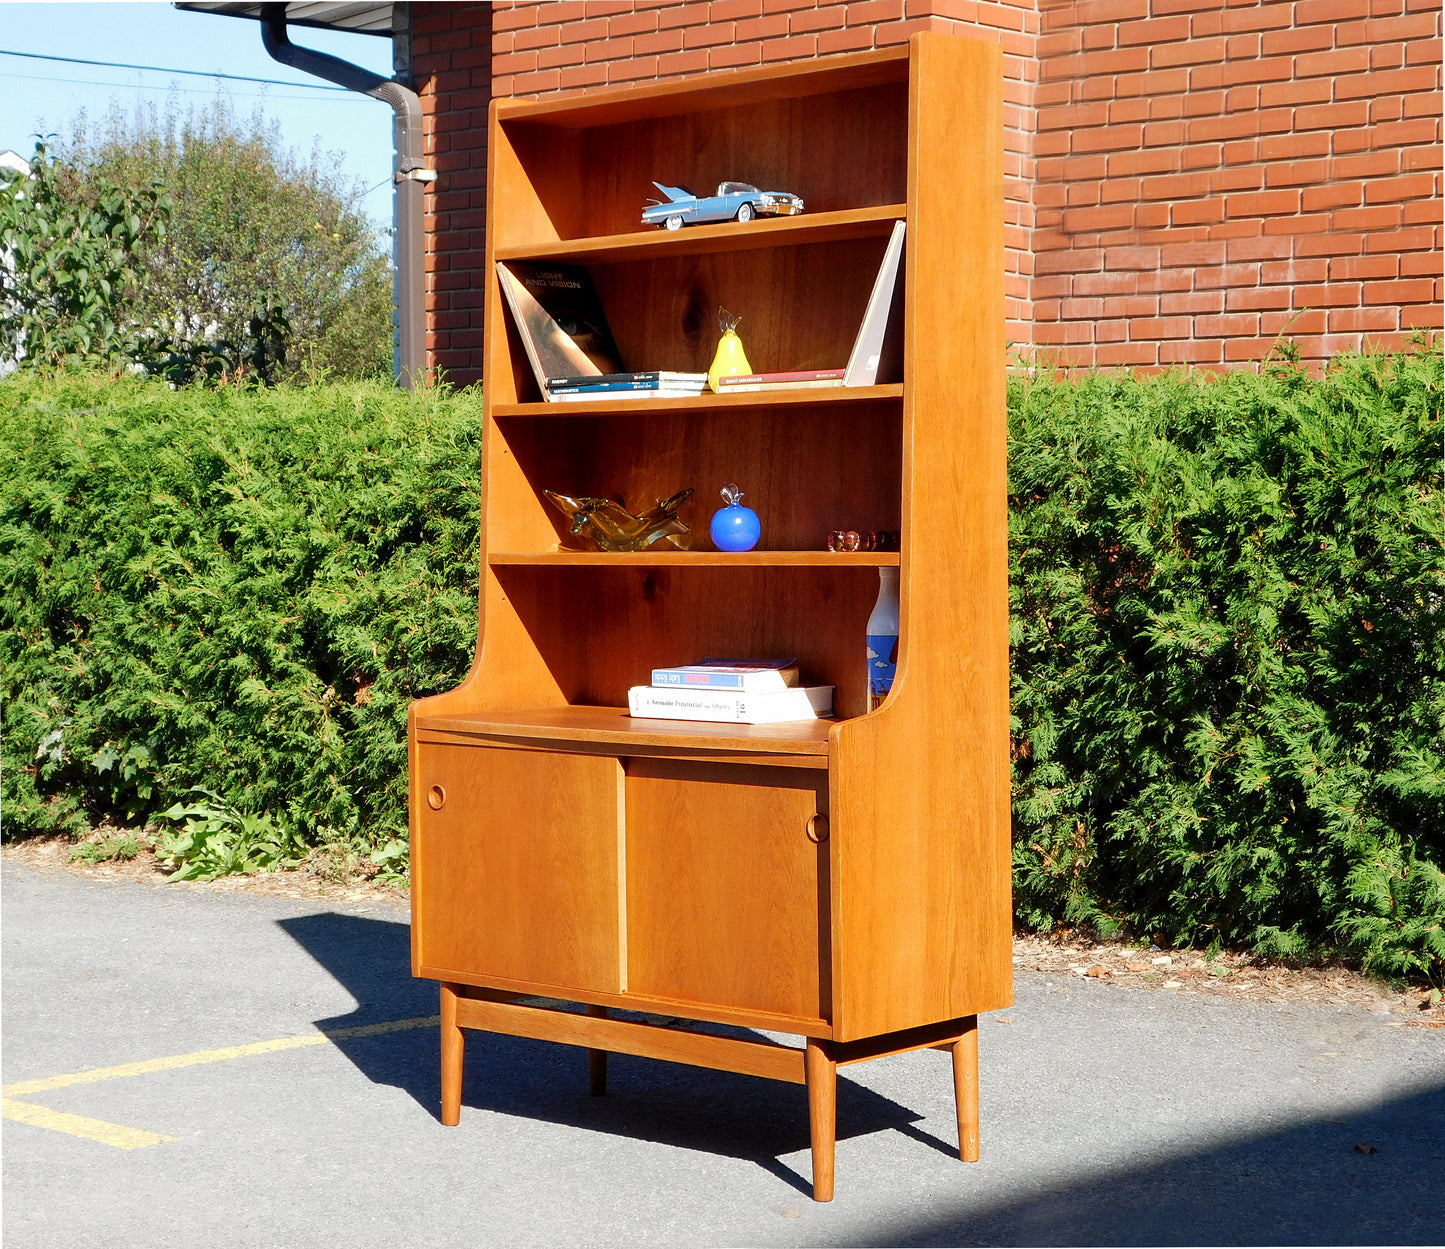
(11, 160)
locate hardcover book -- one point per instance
(650, 392)
(804, 702)
(560, 320)
(797, 375)
(730, 674)
(868, 346)
(807, 379)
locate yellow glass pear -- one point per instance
(730, 360)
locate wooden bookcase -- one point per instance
(844, 881)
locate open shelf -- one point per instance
(707, 404)
(722, 90)
(612, 726)
(727, 236)
(697, 559)
(579, 172)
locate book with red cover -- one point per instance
(797, 376)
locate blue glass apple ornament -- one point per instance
(735, 527)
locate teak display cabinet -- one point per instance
(845, 881)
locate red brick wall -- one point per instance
(552, 47)
(1209, 175)
(452, 72)
(1186, 178)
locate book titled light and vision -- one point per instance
(802, 702)
(559, 319)
(753, 675)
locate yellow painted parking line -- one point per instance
(135, 1138)
(79, 1125)
(25, 1088)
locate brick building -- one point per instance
(1187, 179)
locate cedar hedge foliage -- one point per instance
(1228, 630)
(1229, 658)
(236, 590)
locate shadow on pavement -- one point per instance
(1305, 1185)
(687, 1107)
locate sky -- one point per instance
(41, 96)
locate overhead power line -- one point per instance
(159, 69)
(246, 95)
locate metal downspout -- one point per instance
(409, 177)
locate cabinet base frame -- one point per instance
(816, 1066)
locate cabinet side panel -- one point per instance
(922, 903)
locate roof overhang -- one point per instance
(358, 19)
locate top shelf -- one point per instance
(825, 227)
(715, 91)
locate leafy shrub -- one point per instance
(241, 590)
(1229, 657)
(1228, 634)
(71, 263)
(217, 840)
(249, 217)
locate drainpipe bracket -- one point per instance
(414, 175)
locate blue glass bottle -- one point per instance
(882, 639)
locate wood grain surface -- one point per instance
(727, 896)
(699, 1049)
(517, 870)
(922, 897)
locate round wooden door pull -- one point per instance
(818, 829)
(436, 796)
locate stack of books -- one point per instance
(660, 384)
(737, 691)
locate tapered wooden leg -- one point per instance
(965, 1090)
(597, 1060)
(822, 1073)
(453, 1043)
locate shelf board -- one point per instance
(697, 559)
(727, 236)
(634, 405)
(614, 727)
(717, 90)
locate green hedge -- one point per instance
(237, 590)
(1228, 630)
(1229, 658)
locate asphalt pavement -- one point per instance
(242, 1091)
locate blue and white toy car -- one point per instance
(733, 201)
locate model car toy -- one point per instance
(733, 201)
